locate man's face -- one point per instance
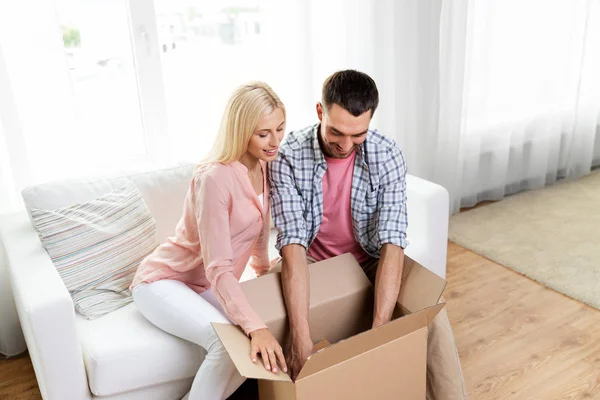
(341, 132)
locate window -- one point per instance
(99, 58)
(101, 86)
(206, 50)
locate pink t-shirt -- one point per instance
(335, 235)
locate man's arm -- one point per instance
(288, 215)
(296, 288)
(296, 292)
(392, 224)
(387, 283)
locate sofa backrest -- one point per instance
(163, 191)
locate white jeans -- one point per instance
(175, 308)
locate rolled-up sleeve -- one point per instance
(393, 218)
(287, 205)
(212, 213)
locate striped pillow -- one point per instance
(97, 247)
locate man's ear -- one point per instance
(320, 112)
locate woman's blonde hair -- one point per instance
(240, 119)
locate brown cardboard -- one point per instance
(337, 284)
(321, 345)
(238, 347)
(420, 287)
(366, 341)
(374, 374)
(381, 363)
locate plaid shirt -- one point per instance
(378, 203)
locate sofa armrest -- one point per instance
(12, 341)
(428, 216)
(46, 313)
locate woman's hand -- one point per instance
(263, 342)
(272, 264)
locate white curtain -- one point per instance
(394, 41)
(39, 140)
(528, 110)
(484, 97)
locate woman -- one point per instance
(193, 279)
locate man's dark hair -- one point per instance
(352, 90)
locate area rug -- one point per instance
(551, 235)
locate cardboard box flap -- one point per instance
(237, 345)
(394, 370)
(369, 340)
(420, 287)
(321, 345)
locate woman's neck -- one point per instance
(250, 162)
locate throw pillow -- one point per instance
(97, 247)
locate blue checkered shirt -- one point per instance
(378, 203)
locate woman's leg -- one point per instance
(175, 308)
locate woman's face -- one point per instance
(265, 140)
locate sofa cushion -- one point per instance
(97, 247)
(163, 191)
(122, 351)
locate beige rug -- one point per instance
(551, 235)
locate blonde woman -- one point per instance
(193, 278)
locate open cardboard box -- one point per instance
(388, 362)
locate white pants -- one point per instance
(175, 308)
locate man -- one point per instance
(338, 187)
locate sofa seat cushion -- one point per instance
(123, 351)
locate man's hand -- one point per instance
(300, 350)
(378, 322)
(263, 342)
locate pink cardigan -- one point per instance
(222, 228)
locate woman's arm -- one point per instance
(212, 214)
(212, 211)
(259, 260)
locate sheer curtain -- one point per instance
(396, 42)
(26, 68)
(526, 111)
(484, 97)
(50, 128)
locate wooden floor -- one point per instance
(516, 339)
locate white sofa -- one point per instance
(12, 341)
(121, 355)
